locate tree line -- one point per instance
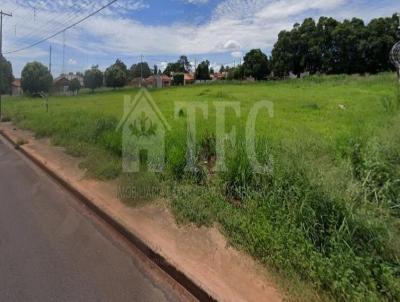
(332, 47)
(327, 46)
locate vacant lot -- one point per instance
(327, 214)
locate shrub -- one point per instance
(178, 79)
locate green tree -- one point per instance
(178, 79)
(116, 75)
(203, 71)
(381, 38)
(36, 78)
(137, 70)
(155, 69)
(256, 64)
(349, 44)
(93, 78)
(75, 86)
(181, 66)
(6, 76)
(325, 28)
(184, 63)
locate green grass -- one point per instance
(327, 215)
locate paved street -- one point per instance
(49, 251)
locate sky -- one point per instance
(159, 31)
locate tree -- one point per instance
(137, 70)
(184, 63)
(155, 69)
(93, 78)
(121, 65)
(116, 75)
(203, 71)
(178, 79)
(74, 86)
(381, 38)
(181, 66)
(6, 76)
(256, 64)
(222, 69)
(335, 47)
(234, 73)
(36, 78)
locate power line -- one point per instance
(63, 30)
(70, 17)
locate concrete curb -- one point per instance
(187, 283)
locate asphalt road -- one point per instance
(50, 251)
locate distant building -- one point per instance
(157, 81)
(218, 76)
(72, 76)
(16, 88)
(135, 83)
(188, 79)
(153, 81)
(61, 86)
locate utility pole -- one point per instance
(1, 29)
(141, 70)
(50, 60)
(1, 50)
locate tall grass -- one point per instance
(326, 210)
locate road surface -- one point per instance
(51, 251)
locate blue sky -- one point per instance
(218, 30)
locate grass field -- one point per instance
(329, 212)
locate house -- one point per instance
(157, 81)
(16, 88)
(188, 79)
(61, 85)
(135, 83)
(77, 76)
(218, 76)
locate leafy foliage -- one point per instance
(181, 66)
(93, 78)
(178, 79)
(6, 76)
(116, 75)
(75, 86)
(334, 47)
(256, 64)
(36, 78)
(203, 71)
(140, 69)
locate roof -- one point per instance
(60, 78)
(163, 77)
(16, 83)
(189, 77)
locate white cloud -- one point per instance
(237, 54)
(72, 62)
(232, 45)
(197, 2)
(235, 26)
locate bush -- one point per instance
(36, 78)
(178, 79)
(75, 86)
